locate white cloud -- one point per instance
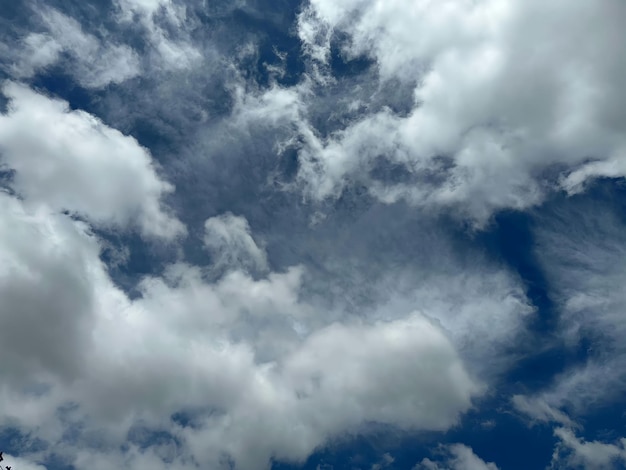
(172, 53)
(95, 63)
(504, 91)
(386, 460)
(344, 367)
(144, 7)
(69, 160)
(264, 374)
(539, 410)
(459, 457)
(228, 239)
(573, 452)
(21, 463)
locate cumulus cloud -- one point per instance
(70, 161)
(459, 457)
(261, 373)
(233, 351)
(504, 94)
(43, 254)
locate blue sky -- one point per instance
(324, 235)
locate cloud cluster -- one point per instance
(261, 372)
(250, 362)
(235, 354)
(327, 305)
(511, 99)
(229, 240)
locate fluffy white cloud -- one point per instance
(262, 373)
(95, 63)
(460, 457)
(69, 160)
(43, 254)
(505, 93)
(337, 380)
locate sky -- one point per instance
(322, 235)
